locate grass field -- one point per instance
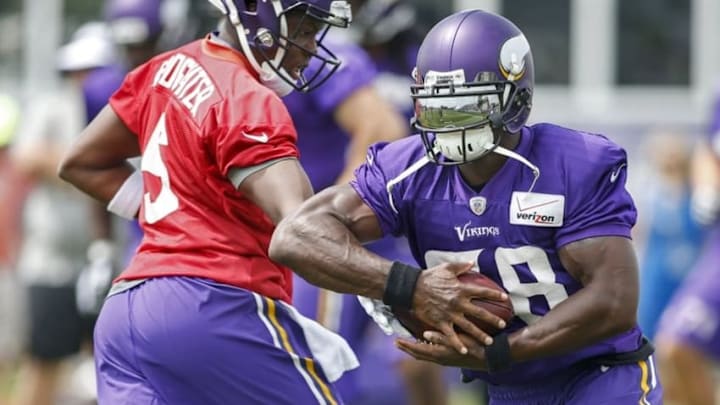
(435, 118)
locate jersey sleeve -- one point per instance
(356, 71)
(370, 182)
(126, 101)
(598, 202)
(251, 132)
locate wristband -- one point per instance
(400, 285)
(497, 354)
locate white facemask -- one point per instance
(476, 140)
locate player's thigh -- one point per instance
(629, 384)
(200, 342)
(54, 322)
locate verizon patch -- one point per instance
(537, 209)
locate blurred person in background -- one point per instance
(390, 32)
(336, 124)
(141, 29)
(688, 338)
(671, 234)
(145, 28)
(56, 218)
(13, 189)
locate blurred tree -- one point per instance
(77, 12)
(10, 6)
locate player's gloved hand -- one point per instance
(443, 302)
(705, 205)
(95, 278)
(383, 316)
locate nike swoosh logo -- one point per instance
(616, 173)
(260, 138)
(521, 209)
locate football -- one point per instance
(503, 310)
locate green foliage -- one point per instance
(8, 6)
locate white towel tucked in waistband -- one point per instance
(329, 349)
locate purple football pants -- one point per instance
(181, 340)
(631, 384)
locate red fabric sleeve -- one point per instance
(253, 132)
(127, 100)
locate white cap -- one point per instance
(90, 47)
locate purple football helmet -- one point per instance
(163, 24)
(475, 79)
(262, 26)
(134, 21)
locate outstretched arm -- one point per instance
(322, 243)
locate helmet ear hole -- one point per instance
(496, 120)
(523, 97)
(251, 5)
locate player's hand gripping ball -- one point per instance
(503, 310)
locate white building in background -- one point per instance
(593, 95)
(584, 40)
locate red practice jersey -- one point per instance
(199, 111)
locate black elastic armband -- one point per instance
(498, 354)
(400, 285)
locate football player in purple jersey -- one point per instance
(334, 133)
(390, 31)
(540, 209)
(689, 331)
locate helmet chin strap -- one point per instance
(427, 159)
(512, 155)
(274, 82)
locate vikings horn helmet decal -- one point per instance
(512, 57)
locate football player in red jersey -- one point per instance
(201, 314)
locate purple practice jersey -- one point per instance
(512, 233)
(99, 85)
